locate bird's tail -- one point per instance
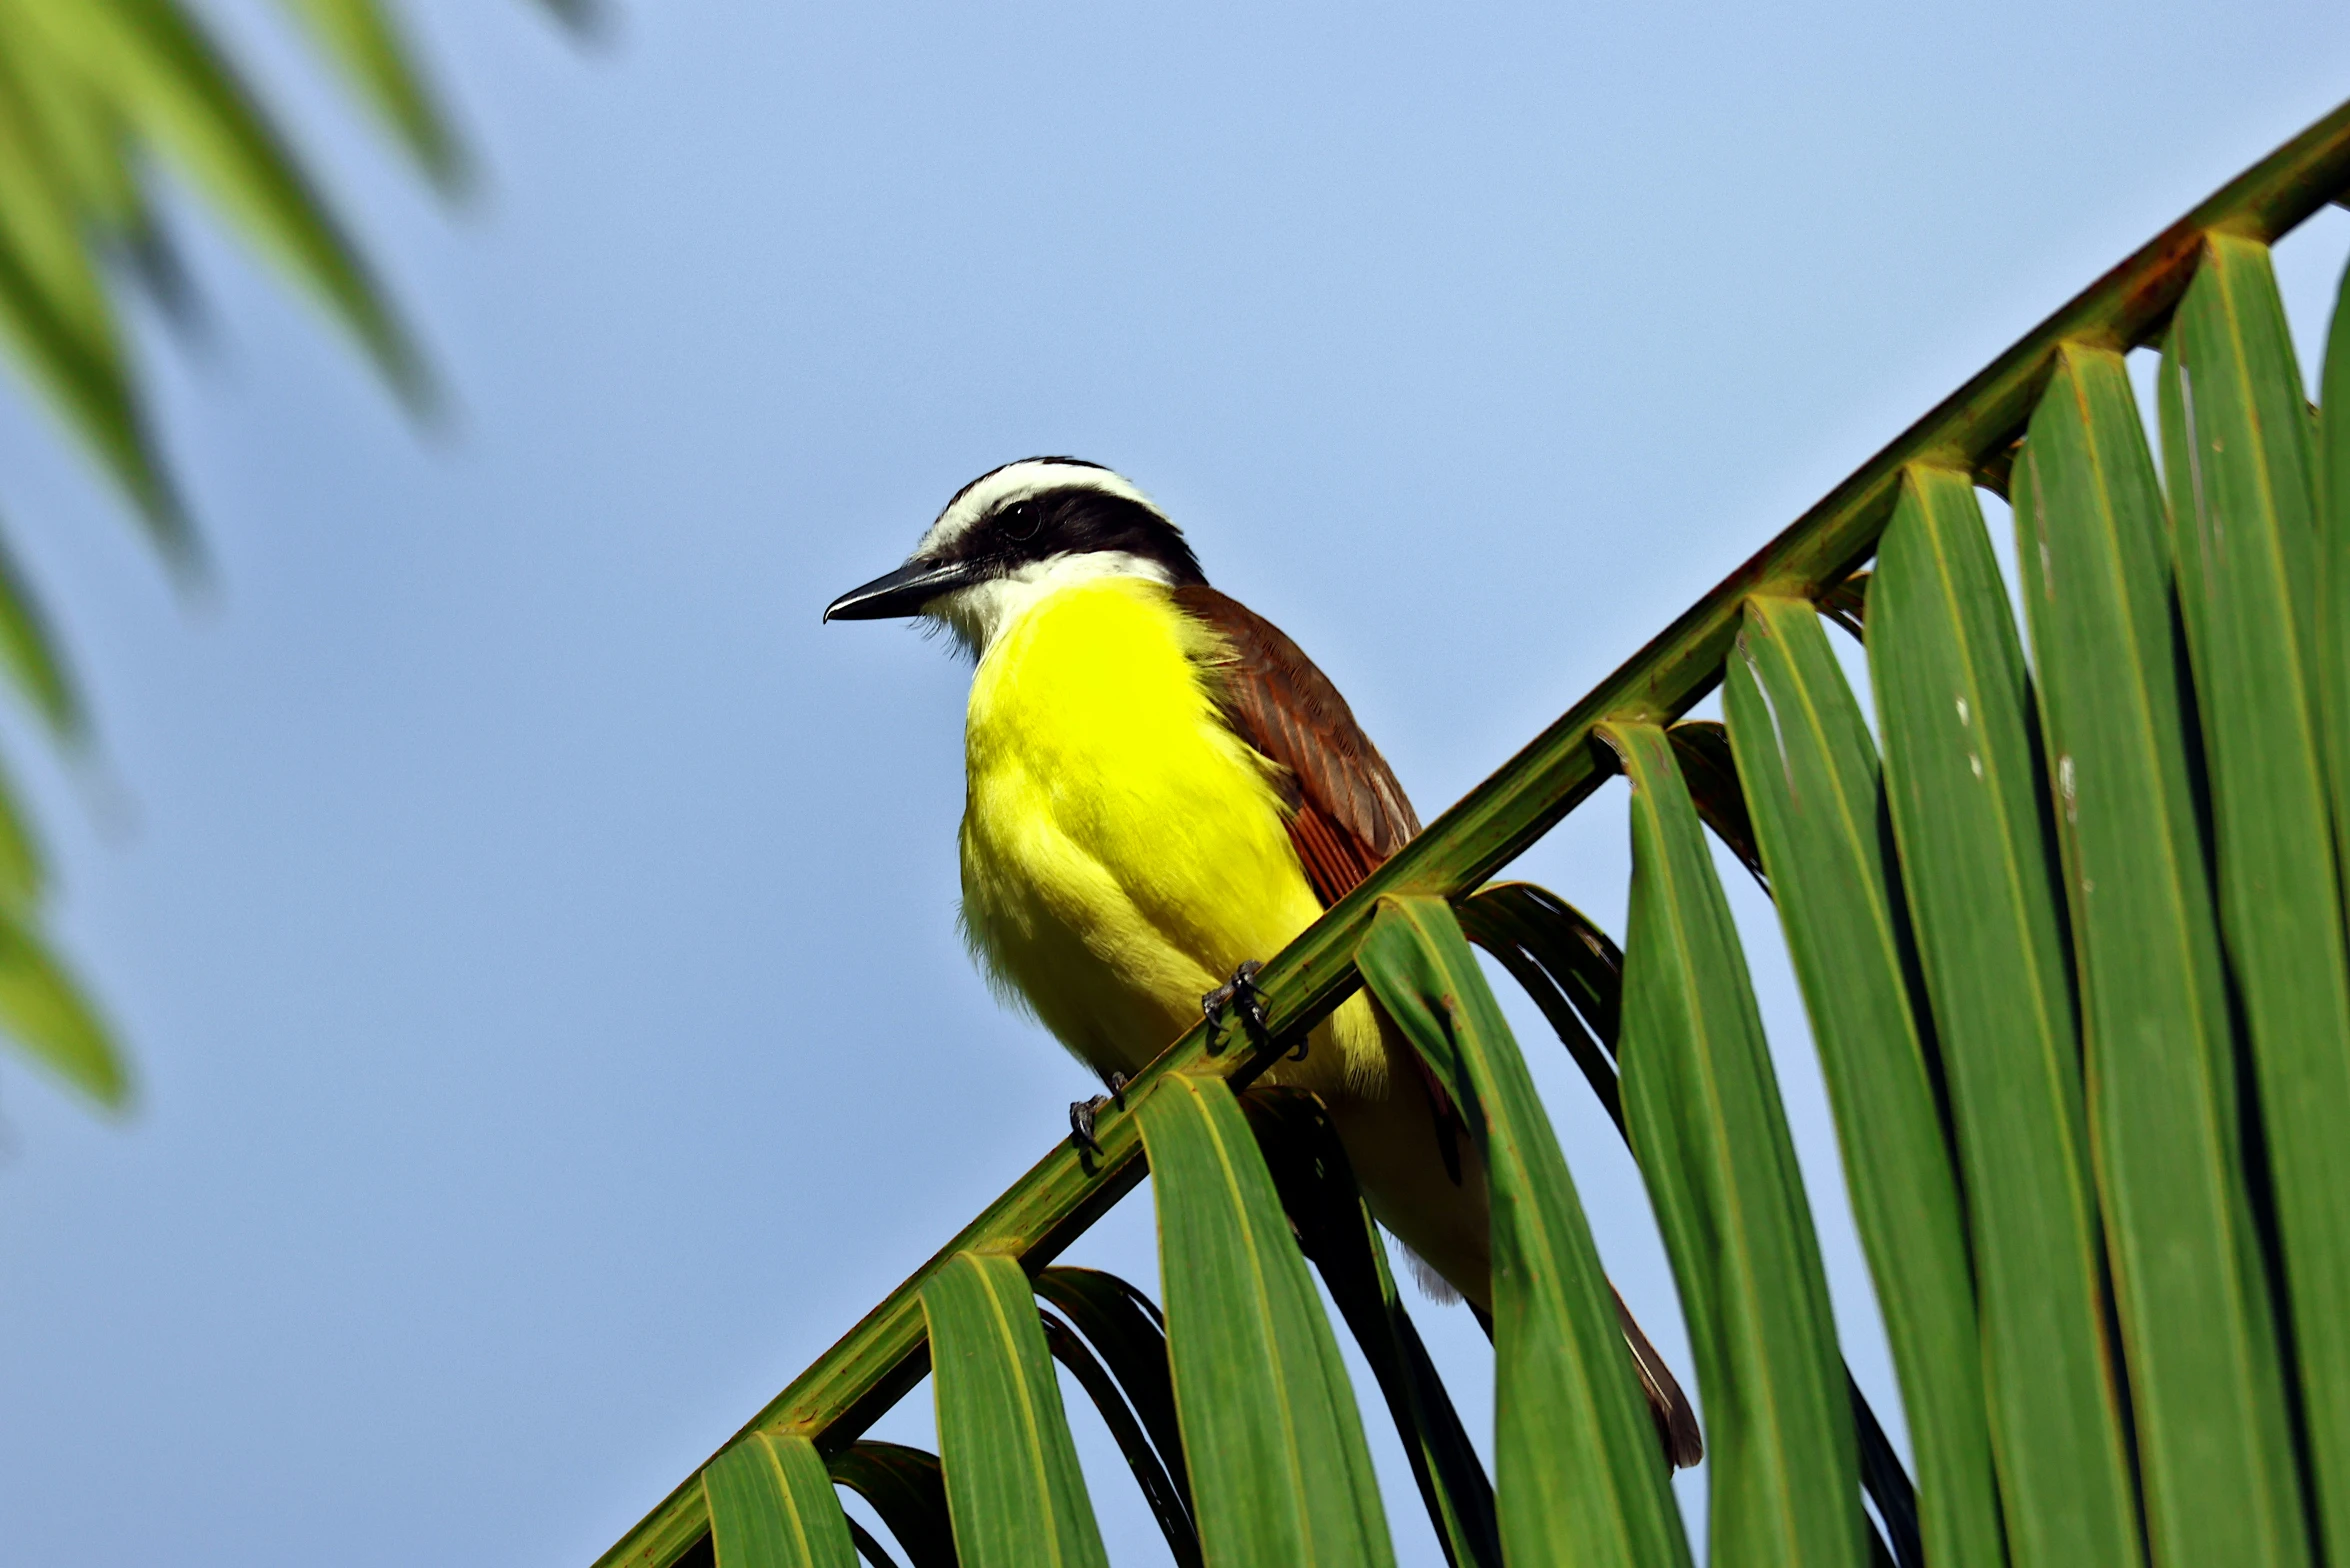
(1668, 1407)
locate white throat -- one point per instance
(976, 616)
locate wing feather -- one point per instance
(1347, 812)
(1347, 815)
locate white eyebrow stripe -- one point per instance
(1016, 481)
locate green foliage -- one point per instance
(2192, 1295)
(96, 96)
(1279, 1470)
(1579, 1476)
(2042, 939)
(1336, 1233)
(908, 1489)
(2240, 460)
(1968, 801)
(1702, 1103)
(1013, 1488)
(1129, 1385)
(1816, 796)
(771, 1506)
(361, 38)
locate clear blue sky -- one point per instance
(536, 935)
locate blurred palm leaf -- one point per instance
(97, 97)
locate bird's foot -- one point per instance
(1238, 995)
(1083, 1112)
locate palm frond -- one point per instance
(2085, 893)
(97, 98)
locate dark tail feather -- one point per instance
(1676, 1422)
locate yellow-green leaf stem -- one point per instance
(1578, 1475)
(1967, 797)
(1014, 1490)
(2193, 1300)
(772, 1506)
(1813, 787)
(1280, 1474)
(1703, 1108)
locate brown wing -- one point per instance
(1348, 814)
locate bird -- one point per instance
(1162, 790)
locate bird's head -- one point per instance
(1016, 534)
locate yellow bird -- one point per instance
(1162, 792)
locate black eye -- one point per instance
(1021, 521)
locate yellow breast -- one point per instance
(1122, 850)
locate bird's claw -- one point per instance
(1081, 1115)
(1083, 1112)
(1240, 995)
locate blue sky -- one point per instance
(535, 933)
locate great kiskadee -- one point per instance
(1162, 791)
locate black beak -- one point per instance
(902, 592)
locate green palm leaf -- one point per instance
(1811, 777)
(772, 1506)
(1703, 1107)
(1168, 1504)
(2163, 1118)
(1967, 798)
(1578, 1477)
(94, 94)
(1710, 769)
(1280, 1473)
(1566, 964)
(1013, 1487)
(1539, 937)
(360, 36)
(1125, 1329)
(2241, 467)
(908, 1489)
(1336, 1233)
(2033, 963)
(2332, 654)
(160, 77)
(43, 1009)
